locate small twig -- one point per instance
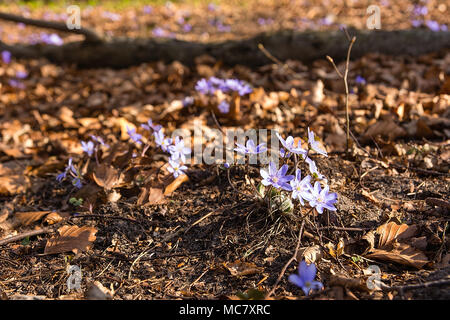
(345, 78)
(26, 234)
(273, 58)
(294, 257)
(217, 122)
(441, 282)
(345, 228)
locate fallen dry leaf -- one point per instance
(97, 291)
(384, 128)
(391, 249)
(106, 176)
(391, 231)
(155, 196)
(27, 218)
(55, 217)
(335, 251)
(401, 253)
(310, 254)
(71, 238)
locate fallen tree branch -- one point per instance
(26, 234)
(89, 35)
(429, 284)
(302, 46)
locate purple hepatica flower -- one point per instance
(176, 168)
(328, 20)
(218, 84)
(161, 141)
(360, 80)
(238, 86)
(178, 150)
(305, 278)
(278, 179)
(88, 147)
(224, 107)
(212, 7)
(289, 145)
(77, 182)
(6, 56)
(321, 198)
(420, 10)
(263, 22)
(150, 125)
(226, 165)
(315, 145)
(136, 137)
(250, 148)
(223, 28)
(21, 74)
(159, 32)
(433, 25)
(187, 101)
(148, 9)
(187, 27)
(111, 16)
(53, 39)
(16, 84)
(99, 140)
(416, 23)
(301, 188)
(204, 86)
(68, 168)
(314, 171)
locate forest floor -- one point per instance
(209, 238)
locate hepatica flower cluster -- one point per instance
(175, 147)
(309, 188)
(419, 19)
(232, 87)
(72, 172)
(16, 80)
(213, 84)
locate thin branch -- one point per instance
(26, 234)
(347, 116)
(294, 257)
(429, 284)
(89, 35)
(345, 78)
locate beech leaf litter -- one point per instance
(100, 167)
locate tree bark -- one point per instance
(302, 46)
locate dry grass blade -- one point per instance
(71, 238)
